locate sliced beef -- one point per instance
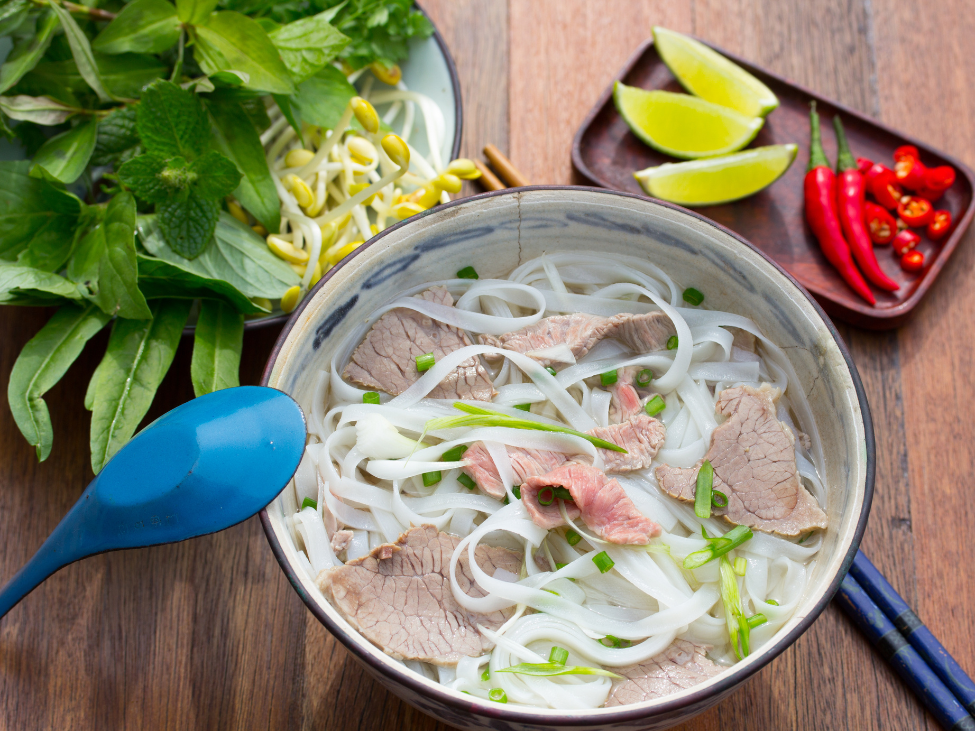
(403, 603)
(386, 359)
(641, 437)
(754, 461)
(680, 666)
(640, 333)
(600, 500)
(625, 402)
(340, 541)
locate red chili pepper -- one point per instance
(939, 178)
(885, 188)
(915, 211)
(904, 241)
(909, 172)
(939, 225)
(912, 261)
(929, 194)
(849, 197)
(819, 190)
(863, 165)
(872, 174)
(880, 224)
(906, 151)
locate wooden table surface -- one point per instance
(209, 634)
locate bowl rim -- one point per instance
(619, 714)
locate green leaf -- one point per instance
(124, 75)
(37, 219)
(142, 26)
(138, 356)
(321, 99)
(161, 279)
(36, 109)
(289, 112)
(217, 342)
(42, 363)
(27, 53)
(153, 178)
(216, 176)
(237, 256)
(380, 29)
(236, 137)
(188, 225)
(81, 51)
(22, 285)
(195, 12)
(172, 122)
(117, 138)
(13, 13)
(233, 42)
(66, 156)
(308, 44)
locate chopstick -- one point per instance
(914, 630)
(488, 179)
(508, 172)
(904, 659)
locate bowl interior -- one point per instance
(497, 232)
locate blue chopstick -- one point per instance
(914, 630)
(896, 650)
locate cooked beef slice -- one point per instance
(600, 500)
(641, 437)
(386, 359)
(340, 541)
(754, 461)
(403, 603)
(641, 333)
(743, 339)
(625, 402)
(680, 666)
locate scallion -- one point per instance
(805, 537)
(498, 695)
(454, 453)
(370, 397)
(572, 537)
(672, 342)
(655, 405)
(609, 378)
(562, 493)
(644, 377)
(425, 362)
(772, 602)
(516, 489)
(737, 625)
(558, 655)
(546, 496)
(719, 499)
(603, 562)
(523, 407)
(467, 273)
(309, 503)
(614, 642)
(551, 370)
(757, 620)
(693, 296)
(702, 494)
(432, 478)
(466, 481)
(718, 547)
(740, 566)
(559, 566)
(548, 669)
(486, 675)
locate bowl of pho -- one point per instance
(576, 459)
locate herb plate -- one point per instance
(607, 153)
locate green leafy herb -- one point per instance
(309, 503)
(195, 11)
(321, 99)
(118, 139)
(551, 669)
(84, 58)
(159, 279)
(467, 272)
(20, 285)
(306, 45)
(41, 110)
(217, 343)
(523, 407)
(66, 156)
(380, 30)
(28, 52)
(233, 42)
(142, 26)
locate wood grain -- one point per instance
(208, 633)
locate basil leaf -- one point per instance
(153, 178)
(172, 122)
(66, 156)
(117, 138)
(36, 109)
(195, 12)
(37, 219)
(12, 15)
(217, 343)
(216, 176)
(289, 112)
(26, 54)
(138, 356)
(41, 364)
(160, 279)
(23, 285)
(142, 26)
(187, 225)
(236, 137)
(237, 256)
(321, 99)
(81, 51)
(308, 44)
(124, 75)
(233, 42)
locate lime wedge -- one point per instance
(681, 125)
(709, 75)
(718, 179)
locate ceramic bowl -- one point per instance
(494, 233)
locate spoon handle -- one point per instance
(57, 551)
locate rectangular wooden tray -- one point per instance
(607, 153)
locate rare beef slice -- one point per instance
(680, 666)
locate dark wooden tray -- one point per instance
(607, 153)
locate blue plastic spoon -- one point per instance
(203, 467)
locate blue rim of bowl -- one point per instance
(454, 152)
(624, 714)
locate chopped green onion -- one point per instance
(370, 397)
(548, 669)
(614, 642)
(738, 628)
(803, 539)
(425, 362)
(718, 547)
(658, 548)
(454, 453)
(693, 296)
(466, 481)
(655, 406)
(551, 370)
(744, 630)
(562, 493)
(560, 565)
(558, 656)
(431, 478)
(523, 407)
(740, 566)
(672, 342)
(309, 503)
(719, 499)
(609, 378)
(498, 695)
(470, 273)
(603, 562)
(486, 675)
(702, 495)
(552, 591)
(572, 537)
(757, 620)
(772, 602)
(516, 489)
(644, 377)
(546, 496)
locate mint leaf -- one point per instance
(153, 178)
(308, 44)
(117, 138)
(215, 176)
(172, 122)
(231, 41)
(187, 225)
(142, 26)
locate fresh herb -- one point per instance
(432, 478)
(454, 453)
(644, 378)
(425, 362)
(467, 273)
(718, 546)
(672, 342)
(702, 493)
(693, 296)
(370, 397)
(655, 405)
(603, 562)
(466, 481)
(217, 343)
(609, 378)
(309, 503)
(551, 669)
(558, 655)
